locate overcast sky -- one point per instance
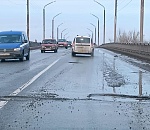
(75, 16)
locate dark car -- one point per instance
(49, 45)
(14, 45)
(69, 43)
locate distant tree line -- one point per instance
(128, 37)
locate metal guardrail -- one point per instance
(34, 45)
(140, 50)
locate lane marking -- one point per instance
(17, 91)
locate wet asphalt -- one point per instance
(58, 91)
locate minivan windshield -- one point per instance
(10, 38)
(82, 40)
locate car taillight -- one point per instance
(73, 44)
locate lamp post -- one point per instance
(98, 26)
(91, 32)
(141, 21)
(58, 30)
(115, 21)
(44, 18)
(62, 32)
(53, 25)
(104, 20)
(95, 31)
(28, 18)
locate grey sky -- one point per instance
(76, 16)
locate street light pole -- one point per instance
(92, 33)
(58, 31)
(141, 21)
(44, 18)
(28, 18)
(104, 32)
(98, 27)
(115, 21)
(95, 31)
(62, 32)
(53, 25)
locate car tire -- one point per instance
(2, 60)
(22, 57)
(28, 56)
(73, 54)
(55, 51)
(66, 47)
(92, 54)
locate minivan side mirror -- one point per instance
(25, 41)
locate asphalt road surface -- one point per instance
(57, 91)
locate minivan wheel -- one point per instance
(2, 60)
(21, 59)
(73, 54)
(92, 54)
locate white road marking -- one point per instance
(3, 103)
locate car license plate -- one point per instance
(4, 54)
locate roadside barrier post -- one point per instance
(140, 83)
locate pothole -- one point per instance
(73, 62)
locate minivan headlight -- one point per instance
(17, 49)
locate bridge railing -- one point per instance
(136, 49)
(34, 45)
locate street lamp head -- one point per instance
(95, 16)
(99, 4)
(65, 34)
(56, 16)
(93, 25)
(63, 30)
(90, 30)
(60, 25)
(49, 4)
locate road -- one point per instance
(58, 91)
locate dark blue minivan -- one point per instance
(14, 45)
